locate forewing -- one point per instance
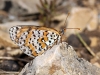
(33, 41)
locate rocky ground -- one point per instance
(83, 14)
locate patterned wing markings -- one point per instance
(34, 40)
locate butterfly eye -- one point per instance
(62, 31)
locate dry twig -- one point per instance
(12, 58)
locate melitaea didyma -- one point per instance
(34, 40)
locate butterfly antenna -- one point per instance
(66, 19)
(63, 30)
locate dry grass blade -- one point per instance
(87, 47)
(53, 6)
(7, 72)
(48, 10)
(40, 9)
(46, 2)
(42, 3)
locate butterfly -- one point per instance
(34, 40)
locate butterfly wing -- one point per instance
(33, 41)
